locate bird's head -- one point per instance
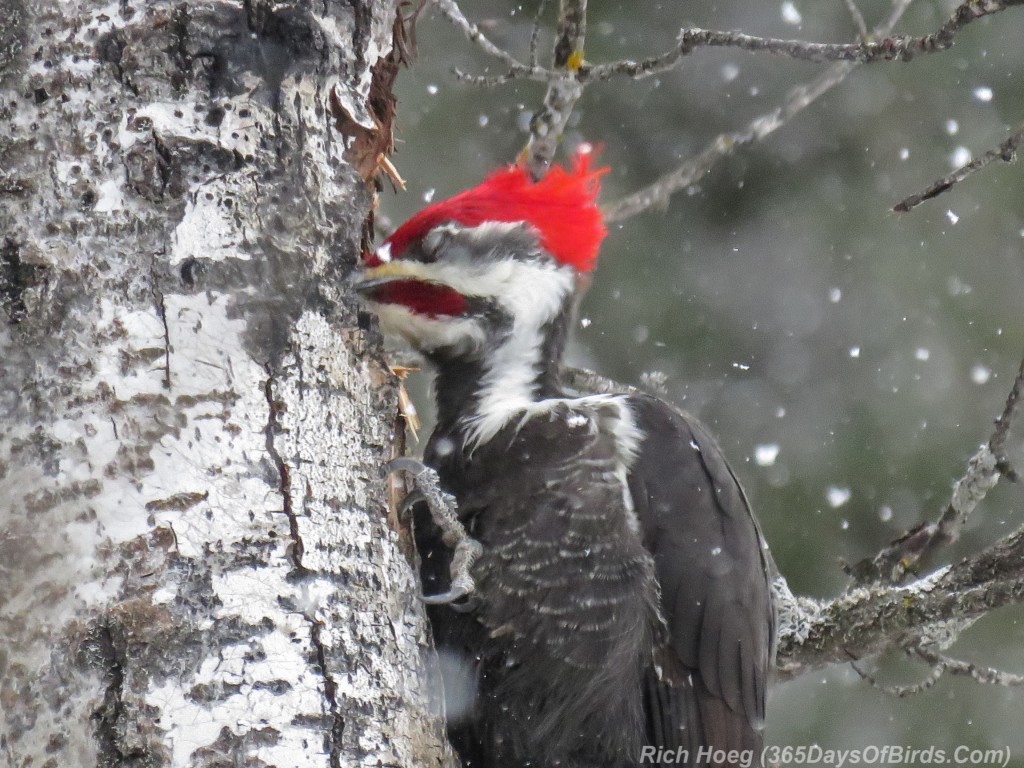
(465, 272)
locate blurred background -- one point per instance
(849, 359)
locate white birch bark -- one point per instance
(195, 562)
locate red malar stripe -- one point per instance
(422, 298)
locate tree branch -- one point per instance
(1006, 151)
(984, 470)
(929, 613)
(800, 97)
(535, 34)
(939, 665)
(548, 124)
(982, 674)
(935, 673)
(569, 76)
(900, 48)
(454, 14)
(658, 192)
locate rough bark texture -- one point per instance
(929, 612)
(195, 564)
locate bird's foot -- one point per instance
(444, 512)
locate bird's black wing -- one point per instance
(708, 684)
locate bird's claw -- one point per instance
(460, 597)
(414, 467)
(411, 500)
(446, 598)
(443, 510)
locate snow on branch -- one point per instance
(927, 614)
(1006, 151)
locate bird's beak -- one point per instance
(372, 278)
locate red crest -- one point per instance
(562, 207)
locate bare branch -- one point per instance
(900, 48)
(1006, 151)
(800, 97)
(454, 14)
(564, 86)
(930, 612)
(487, 81)
(939, 664)
(725, 144)
(982, 674)
(706, 38)
(535, 35)
(984, 470)
(564, 90)
(858, 18)
(997, 443)
(935, 673)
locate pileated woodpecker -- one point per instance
(622, 612)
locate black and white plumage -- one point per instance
(622, 597)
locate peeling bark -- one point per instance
(196, 566)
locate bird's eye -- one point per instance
(430, 247)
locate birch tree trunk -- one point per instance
(195, 564)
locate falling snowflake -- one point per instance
(766, 453)
(837, 496)
(983, 93)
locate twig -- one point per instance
(564, 86)
(875, 47)
(858, 18)
(981, 674)
(984, 470)
(659, 192)
(997, 443)
(486, 81)
(1006, 151)
(935, 673)
(454, 14)
(548, 123)
(939, 664)
(900, 48)
(535, 34)
(800, 97)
